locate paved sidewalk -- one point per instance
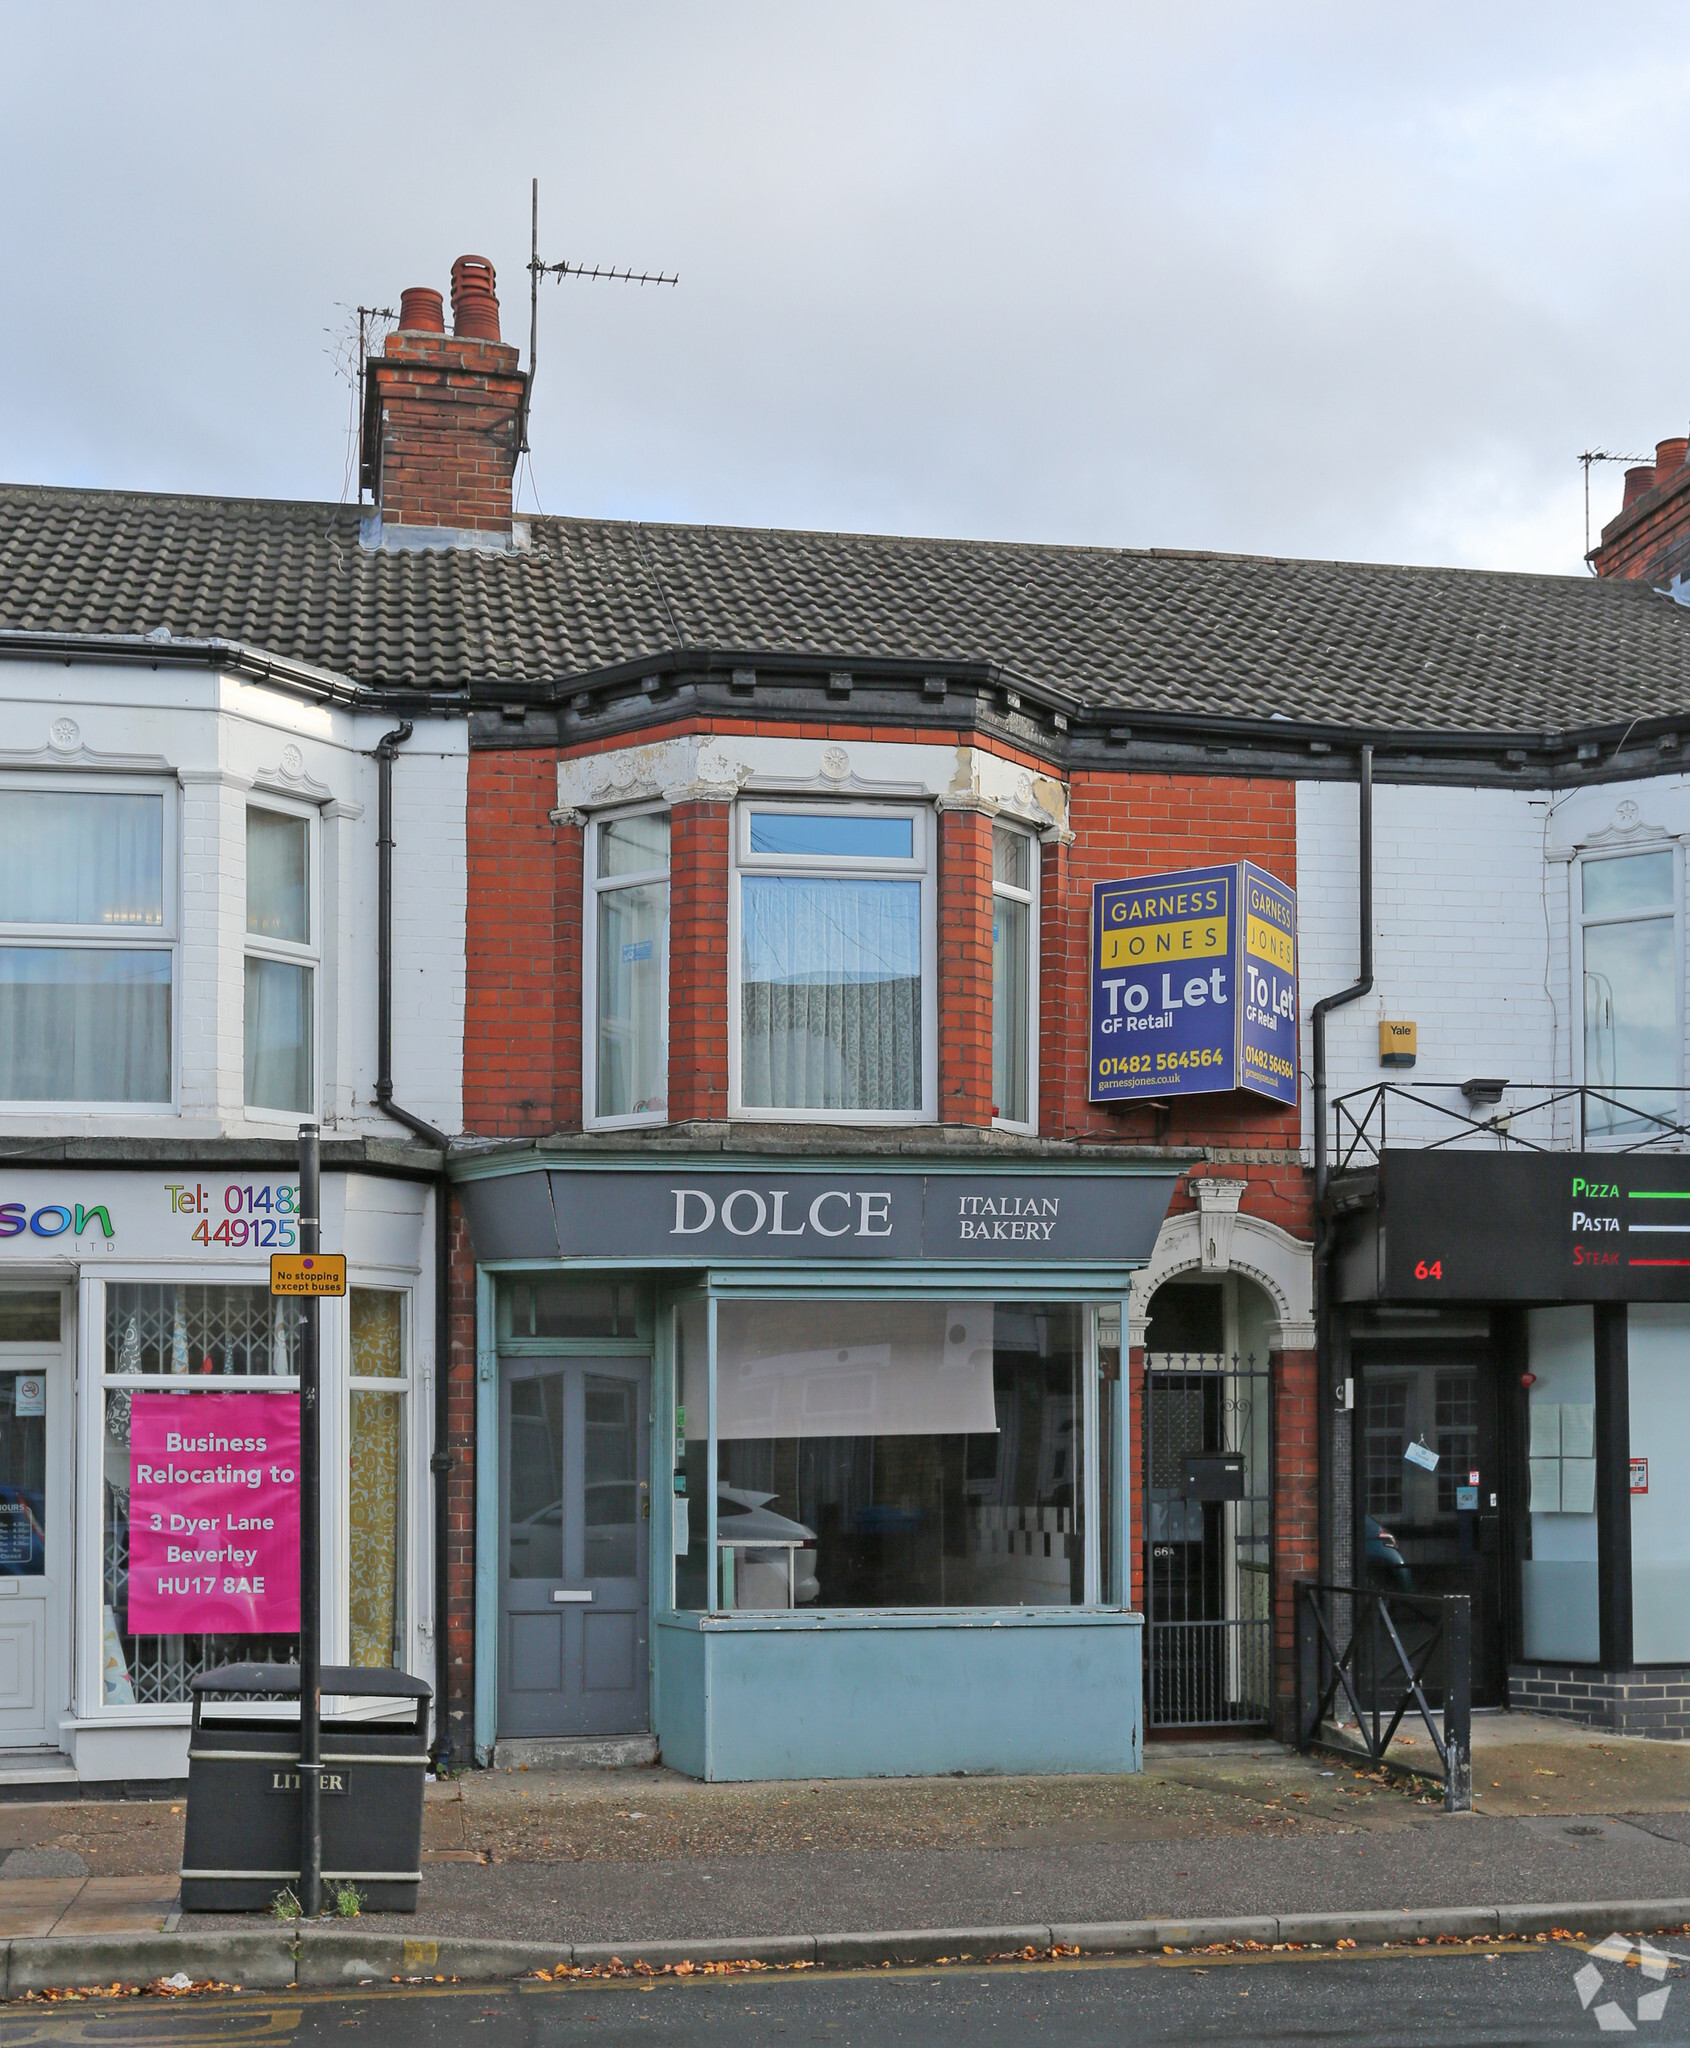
(1207, 1829)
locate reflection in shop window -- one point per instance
(202, 1337)
(375, 1521)
(893, 1454)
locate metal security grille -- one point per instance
(1207, 1562)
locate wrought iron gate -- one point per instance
(1208, 1562)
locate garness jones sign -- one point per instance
(1194, 985)
(708, 1214)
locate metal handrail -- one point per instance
(1322, 1668)
(1361, 1122)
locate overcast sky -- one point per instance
(1308, 280)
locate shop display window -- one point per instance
(1658, 1346)
(628, 969)
(832, 990)
(376, 1495)
(1559, 1585)
(23, 1473)
(204, 1338)
(87, 921)
(914, 1454)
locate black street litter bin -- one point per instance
(240, 1846)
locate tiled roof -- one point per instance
(1458, 650)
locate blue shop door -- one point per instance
(574, 1547)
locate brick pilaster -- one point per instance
(698, 962)
(965, 967)
(1296, 1516)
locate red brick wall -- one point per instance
(1296, 1516)
(965, 967)
(1144, 824)
(514, 990)
(698, 962)
(1650, 539)
(447, 424)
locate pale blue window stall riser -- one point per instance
(973, 1316)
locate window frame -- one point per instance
(403, 1387)
(255, 946)
(94, 938)
(1030, 896)
(920, 866)
(1580, 921)
(595, 885)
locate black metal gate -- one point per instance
(1208, 1562)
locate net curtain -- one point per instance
(830, 994)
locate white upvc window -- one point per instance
(625, 971)
(832, 967)
(281, 978)
(1015, 978)
(88, 940)
(1627, 916)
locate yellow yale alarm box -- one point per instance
(1396, 1043)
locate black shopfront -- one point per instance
(1510, 1349)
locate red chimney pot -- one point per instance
(1669, 455)
(475, 303)
(1637, 481)
(421, 311)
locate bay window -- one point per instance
(280, 1013)
(1015, 980)
(1631, 965)
(87, 931)
(831, 937)
(627, 969)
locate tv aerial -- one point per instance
(603, 273)
(1589, 456)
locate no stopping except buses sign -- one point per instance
(1194, 985)
(308, 1272)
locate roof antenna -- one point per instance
(537, 270)
(1589, 456)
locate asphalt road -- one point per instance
(1428, 1997)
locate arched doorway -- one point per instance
(1207, 1490)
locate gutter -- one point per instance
(440, 1463)
(1323, 1223)
(140, 650)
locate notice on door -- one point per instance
(214, 1514)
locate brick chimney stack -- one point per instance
(441, 416)
(1649, 540)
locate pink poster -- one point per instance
(213, 1514)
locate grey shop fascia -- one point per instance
(865, 1394)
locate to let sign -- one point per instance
(1194, 985)
(307, 1272)
(213, 1514)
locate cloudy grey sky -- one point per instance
(1297, 279)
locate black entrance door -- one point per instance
(1429, 1484)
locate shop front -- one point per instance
(810, 1470)
(126, 1298)
(1514, 1335)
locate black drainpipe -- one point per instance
(1325, 1391)
(440, 1464)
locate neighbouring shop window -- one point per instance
(203, 1338)
(280, 961)
(628, 884)
(23, 1471)
(691, 1461)
(375, 1501)
(1658, 1352)
(1015, 858)
(87, 924)
(832, 1001)
(1560, 1589)
(1114, 1578)
(30, 1318)
(1631, 982)
(897, 1454)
